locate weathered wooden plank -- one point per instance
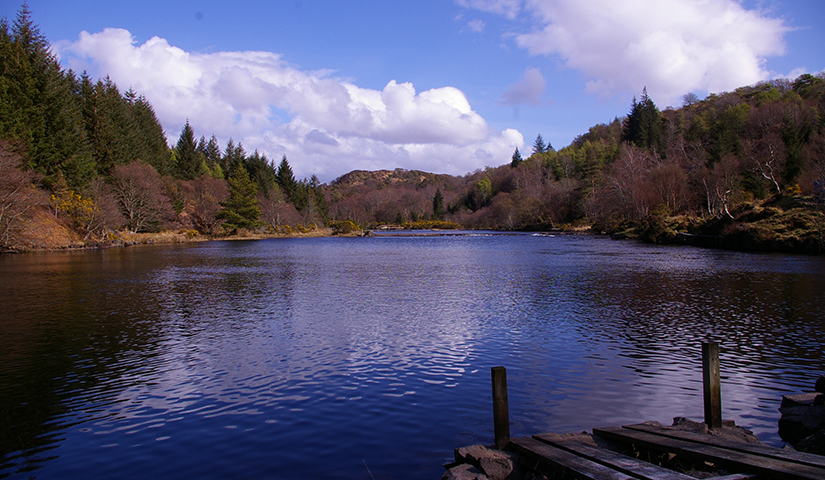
(711, 382)
(623, 463)
(763, 450)
(724, 458)
(737, 476)
(501, 409)
(560, 460)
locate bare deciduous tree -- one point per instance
(139, 190)
(18, 195)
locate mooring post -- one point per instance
(501, 409)
(712, 385)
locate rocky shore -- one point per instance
(803, 420)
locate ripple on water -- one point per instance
(246, 359)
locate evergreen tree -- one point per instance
(149, 139)
(538, 145)
(241, 209)
(262, 172)
(516, 160)
(438, 205)
(318, 198)
(286, 179)
(38, 107)
(233, 155)
(189, 160)
(108, 124)
(211, 153)
(644, 125)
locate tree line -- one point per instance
(101, 160)
(98, 160)
(709, 163)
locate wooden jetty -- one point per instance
(566, 456)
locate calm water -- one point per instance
(359, 358)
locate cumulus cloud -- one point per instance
(326, 125)
(526, 90)
(670, 46)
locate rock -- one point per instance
(495, 464)
(798, 423)
(813, 444)
(464, 472)
(728, 431)
(800, 400)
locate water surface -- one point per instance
(350, 357)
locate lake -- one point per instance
(359, 358)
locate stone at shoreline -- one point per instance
(495, 464)
(820, 385)
(729, 430)
(800, 422)
(801, 400)
(803, 419)
(464, 472)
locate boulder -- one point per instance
(813, 443)
(800, 422)
(495, 464)
(801, 400)
(728, 431)
(464, 472)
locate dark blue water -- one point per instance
(356, 358)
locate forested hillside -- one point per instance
(81, 157)
(84, 159)
(747, 165)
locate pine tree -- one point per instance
(644, 125)
(189, 160)
(211, 153)
(438, 205)
(149, 138)
(233, 155)
(38, 108)
(241, 209)
(286, 179)
(516, 160)
(108, 123)
(538, 145)
(319, 199)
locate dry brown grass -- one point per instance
(42, 231)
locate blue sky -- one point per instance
(447, 86)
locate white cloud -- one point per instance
(476, 25)
(325, 125)
(526, 90)
(507, 8)
(670, 46)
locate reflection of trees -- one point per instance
(67, 322)
(765, 318)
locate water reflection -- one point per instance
(245, 359)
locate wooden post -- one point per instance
(501, 409)
(712, 385)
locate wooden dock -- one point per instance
(619, 453)
(567, 457)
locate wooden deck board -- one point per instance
(623, 463)
(762, 450)
(556, 458)
(732, 460)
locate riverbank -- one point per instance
(783, 224)
(43, 232)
